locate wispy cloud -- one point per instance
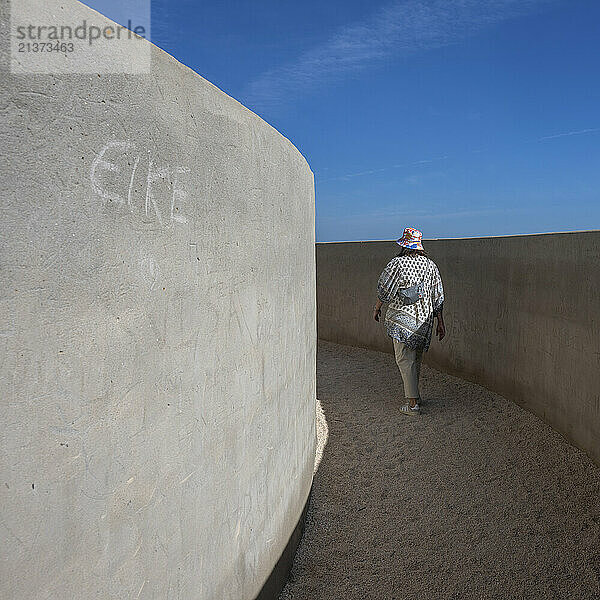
(568, 133)
(414, 178)
(381, 220)
(414, 163)
(398, 29)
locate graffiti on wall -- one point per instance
(127, 177)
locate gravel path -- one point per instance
(475, 498)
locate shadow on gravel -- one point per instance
(474, 499)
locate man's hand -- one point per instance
(440, 330)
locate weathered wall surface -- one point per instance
(157, 340)
(521, 314)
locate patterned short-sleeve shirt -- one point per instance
(411, 324)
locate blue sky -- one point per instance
(460, 118)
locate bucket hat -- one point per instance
(411, 238)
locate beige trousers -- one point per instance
(409, 363)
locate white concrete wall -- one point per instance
(157, 339)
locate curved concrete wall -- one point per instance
(521, 314)
(158, 338)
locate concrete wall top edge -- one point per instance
(483, 237)
(226, 96)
